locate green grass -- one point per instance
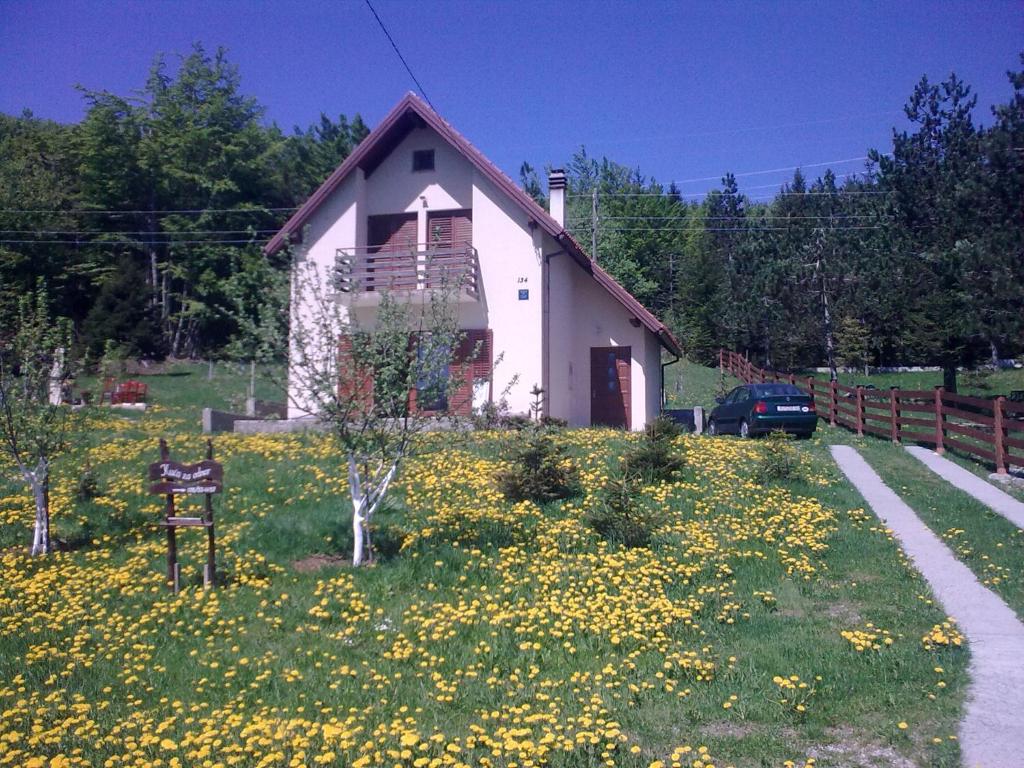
(977, 384)
(986, 542)
(98, 623)
(184, 388)
(688, 384)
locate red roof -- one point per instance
(386, 136)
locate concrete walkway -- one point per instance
(993, 498)
(992, 731)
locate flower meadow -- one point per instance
(498, 634)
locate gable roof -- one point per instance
(411, 112)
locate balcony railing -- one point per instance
(416, 267)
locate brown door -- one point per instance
(392, 246)
(610, 386)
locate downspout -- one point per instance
(664, 398)
(546, 323)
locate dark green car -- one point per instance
(756, 409)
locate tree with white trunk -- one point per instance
(375, 384)
(33, 422)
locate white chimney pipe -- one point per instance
(556, 195)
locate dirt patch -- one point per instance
(726, 729)
(319, 561)
(847, 748)
(844, 613)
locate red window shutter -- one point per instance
(450, 229)
(439, 230)
(355, 383)
(392, 232)
(472, 364)
(462, 228)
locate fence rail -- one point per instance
(988, 429)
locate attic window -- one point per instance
(423, 160)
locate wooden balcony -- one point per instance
(420, 267)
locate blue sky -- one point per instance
(684, 91)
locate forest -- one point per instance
(145, 223)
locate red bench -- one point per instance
(128, 392)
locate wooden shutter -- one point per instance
(472, 362)
(391, 259)
(355, 382)
(450, 229)
(392, 232)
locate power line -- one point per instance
(91, 243)
(585, 219)
(837, 193)
(92, 211)
(145, 233)
(400, 56)
(775, 170)
(731, 229)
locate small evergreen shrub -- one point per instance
(663, 428)
(620, 516)
(88, 486)
(387, 540)
(655, 459)
(540, 472)
(780, 461)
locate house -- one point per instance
(532, 297)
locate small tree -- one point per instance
(33, 420)
(853, 344)
(359, 377)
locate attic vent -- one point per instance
(423, 160)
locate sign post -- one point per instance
(205, 478)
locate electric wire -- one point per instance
(400, 56)
(168, 212)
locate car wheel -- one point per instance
(712, 428)
(744, 429)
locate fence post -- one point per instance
(860, 411)
(1000, 436)
(940, 433)
(833, 402)
(894, 416)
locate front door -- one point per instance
(610, 386)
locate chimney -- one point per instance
(556, 195)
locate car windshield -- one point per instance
(774, 390)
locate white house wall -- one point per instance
(333, 224)
(394, 187)
(509, 263)
(563, 383)
(599, 320)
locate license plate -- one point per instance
(787, 407)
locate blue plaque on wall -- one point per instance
(524, 294)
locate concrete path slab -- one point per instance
(992, 731)
(993, 498)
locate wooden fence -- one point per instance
(988, 429)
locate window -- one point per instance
(772, 390)
(432, 361)
(423, 160)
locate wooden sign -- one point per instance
(203, 478)
(205, 471)
(185, 488)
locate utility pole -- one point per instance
(593, 224)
